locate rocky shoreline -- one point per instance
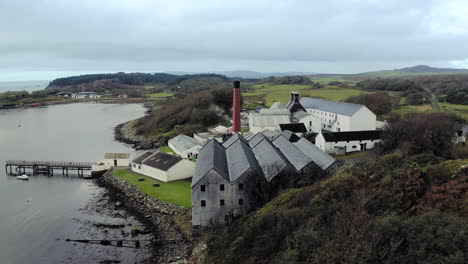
(126, 133)
(171, 243)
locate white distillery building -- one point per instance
(341, 143)
(269, 118)
(116, 159)
(185, 146)
(340, 116)
(163, 167)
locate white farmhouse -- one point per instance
(344, 142)
(340, 116)
(185, 146)
(163, 167)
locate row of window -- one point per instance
(221, 202)
(325, 114)
(134, 166)
(221, 187)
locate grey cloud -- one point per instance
(320, 36)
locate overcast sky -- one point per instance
(45, 39)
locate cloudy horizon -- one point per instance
(46, 39)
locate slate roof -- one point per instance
(142, 157)
(268, 119)
(299, 115)
(233, 139)
(211, 156)
(256, 139)
(291, 152)
(269, 134)
(269, 158)
(322, 159)
(182, 143)
(274, 111)
(342, 108)
(290, 136)
(295, 127)
(161, 161)
(117, 156)
(240, 159)
(352, 135)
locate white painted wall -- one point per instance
(312, 123)
(351, 146)
(136, 168)
(184, 169)
(154, 173)
(363, 119)
(120, 162)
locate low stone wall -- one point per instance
(171, 245)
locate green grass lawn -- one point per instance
(159, 95)
(177, 192)
(167, 149)
(268, 94)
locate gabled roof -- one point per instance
(211, 157)
(299, 115)
(162, 161)
(269, 134)
(256, 139)
(274, 111)
(270, 159)
(290, 136)
(117, 156)
(240, 159)
(352, 135)
(292, 153)
(342, 108)
(234, 138)
(295, 127)
(142, 157)
(182, 143)
(322, 159)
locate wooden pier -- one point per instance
(19, 167)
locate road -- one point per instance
(434, 102)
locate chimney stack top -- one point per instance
(236, 84)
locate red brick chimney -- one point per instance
(236, 124)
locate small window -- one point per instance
(202, 188)
(134, 165)
(203, 203)
(221, 187)
(221, 202)
(241, 201)
(241, 186)
(354, 147)
(310, 123)
(139, 167)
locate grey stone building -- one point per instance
(233, 178)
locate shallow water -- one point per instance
(36, 216)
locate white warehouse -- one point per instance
(185, 146)
(344, 142)
(163, 167)
(340, 116)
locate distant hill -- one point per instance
(250, 74)
(415, 70)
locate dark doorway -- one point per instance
(115, 162)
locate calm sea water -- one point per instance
(37, 215)
(23, 86)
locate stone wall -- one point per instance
(171, 244)
(126, 133)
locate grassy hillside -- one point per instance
(394, 209)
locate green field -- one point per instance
(268, 94)
(459, 110)
(159, 95)
(177, 192)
